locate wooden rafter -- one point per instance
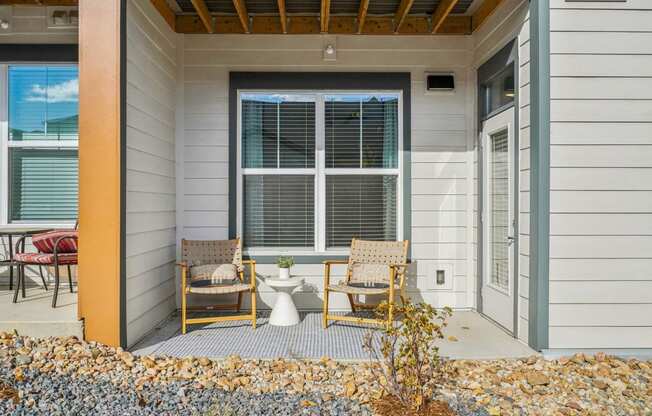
(40, 2)
(241, 9)
(341, 25)
(282, 16)
(204, 14)
(325, 15)
(168, 14)
(441, 13)
(401, 13)
(362, 14)
(485, 10)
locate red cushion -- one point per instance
(45, 258)
(45, 242)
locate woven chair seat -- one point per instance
(356, 290)
(218, 289)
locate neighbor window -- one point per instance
(41, 149)
(318, 169)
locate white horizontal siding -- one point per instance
(29, 24)
(151, 200)
(601, 170)
(440, 127)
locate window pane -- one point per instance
(297, 135)
(342, 133)
(43, 184)
(279, 211)
(380, 133)
(278, 131)
(499, 91)
(43, 103)
(259, 134)
(360, 206)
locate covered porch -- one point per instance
(470, 336)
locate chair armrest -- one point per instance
(182, 264)
(329, 262)
(250, 261)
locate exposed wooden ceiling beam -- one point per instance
(325, 15)
(282, 16)
(401, 13)
(362, 14)
(204, 14)
(441, 13)
(485, 10)
(344, 25)
(241, 8)
(39, 2)
(164, 10)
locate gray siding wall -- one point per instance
(441, 147)
(150, 181)
(509, 21)
(601, 175)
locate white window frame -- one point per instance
(319, 171)
(6, 144)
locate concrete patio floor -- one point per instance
(34, 316)
(477, 338)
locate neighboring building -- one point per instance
(512, 147)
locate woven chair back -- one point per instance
(368, 260)
(200, 252)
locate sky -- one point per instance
(38, 93)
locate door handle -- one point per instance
(510, 239)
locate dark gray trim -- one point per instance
(316, 81)
(539, 173)
(516, 189)
(123, 173)
(18, 52)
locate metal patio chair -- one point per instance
(55, 248)
(215, 267)
(372, 269)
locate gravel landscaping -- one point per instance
(63, 376)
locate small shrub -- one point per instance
(410, 366)
(285, 262)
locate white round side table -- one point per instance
(284, 313)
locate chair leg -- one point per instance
(56, 286)
(17, 284)
(70, 279)
(11, 277)
(22, 281)
(325, 313)
(237, 309)
(40, 271)
(183, 310)
(351, 302)
(253, 309)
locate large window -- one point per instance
(40, 149)
(317, 169)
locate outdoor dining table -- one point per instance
(10, 233)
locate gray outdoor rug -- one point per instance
(307, 340)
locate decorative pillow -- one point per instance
(214, 274)
(370, 274)
(45, 242)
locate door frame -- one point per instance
(507, 55)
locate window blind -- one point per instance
(278, 132)
(43, 103)
(360, 206)
(43, 184)
(361, 131)
(499, 199)
(279, 211)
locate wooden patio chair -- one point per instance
(215, 267)
(372, 269)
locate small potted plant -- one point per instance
(284, 263)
